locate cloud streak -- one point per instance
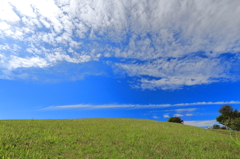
(137, 106)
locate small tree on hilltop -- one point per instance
(227, 111)
(175, 120)
(229, 118)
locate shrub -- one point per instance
(215, 126)
(175, 120)
(223, 127)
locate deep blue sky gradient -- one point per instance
(23, 99)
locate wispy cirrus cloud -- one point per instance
(138, 106)
(177, 110)
(181, 110)
(178, 115)
(164, 44)
(207, 103)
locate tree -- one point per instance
(175, 120)
(235, 114)
(235, 125)
(226, 110)
(229, 118)
(221, 119)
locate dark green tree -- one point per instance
(215, 126)
(223, 127)
(235, 114)
(235, 124)
(228, 117)
(226, 110)
(175, 120)
(222, 119)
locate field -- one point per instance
(113, 138)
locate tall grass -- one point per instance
(112, 138)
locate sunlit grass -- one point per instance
(113, 138)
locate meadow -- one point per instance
(104, 138)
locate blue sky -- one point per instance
(68, 59)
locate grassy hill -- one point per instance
(112, 138)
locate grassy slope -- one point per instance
(111, 138)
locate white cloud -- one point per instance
(7, 13)
(166, 116)
(24, 7)
(155, 117)
(61, 56)
(177, 110)
(182, 110)
(178, 115)
(4, 26)
(207, 103)
(177, 73)
(4, 47)
(200, 123)
(17, 62)
(164, 37)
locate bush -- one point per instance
(175, 120)
(224, 127)
(215, 126)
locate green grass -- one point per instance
(113, 138)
